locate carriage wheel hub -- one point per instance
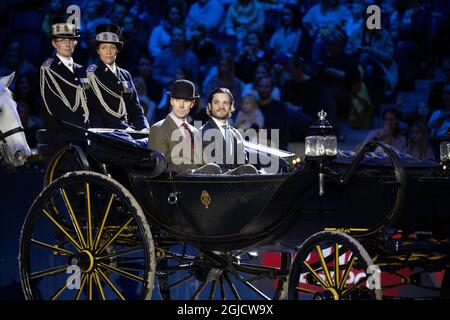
(85, 260)
(328, 294)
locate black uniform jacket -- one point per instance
(59, 134)
(122, 85)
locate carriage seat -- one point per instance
(120, 150)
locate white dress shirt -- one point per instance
(228, 139)
(179, 122)
(67, 62)
(112, 67)
(220, 124)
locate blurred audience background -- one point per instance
(282, 60)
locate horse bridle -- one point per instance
(8, 133)
(4, 135)
(3, 142)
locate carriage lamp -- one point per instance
(444, 149)
(296, 162)
(321, 144)
(321, 140)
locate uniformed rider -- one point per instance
(62, 84)
(114, 100)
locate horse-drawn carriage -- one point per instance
(121, 224)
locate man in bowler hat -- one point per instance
(173, 136)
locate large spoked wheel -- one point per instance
(333, 266)
(185, 272)
(67, 159)
(85, 237)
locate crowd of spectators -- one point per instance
(282, 60)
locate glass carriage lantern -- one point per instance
(321, 144)
(444, 148)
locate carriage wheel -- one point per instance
(184, 272)
(85, 237)
(332, 266)
(66, 159)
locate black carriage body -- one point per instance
(426, 206)
(278, 211)
(212, 212)
(225, 217)
(365, 205)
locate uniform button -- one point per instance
(118, 82)
(76, 79)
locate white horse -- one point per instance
(14, 148)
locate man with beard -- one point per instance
(223, 144)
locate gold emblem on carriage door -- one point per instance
(205, 199)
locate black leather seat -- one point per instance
(123, 153)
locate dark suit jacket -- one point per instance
(237, 156)
(160, 140)
(100, 117)
(58, 134)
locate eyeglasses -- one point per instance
(69, 41)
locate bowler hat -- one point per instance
(183, 89)
(61, 28)
(108, 33)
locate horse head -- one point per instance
(13, 144)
